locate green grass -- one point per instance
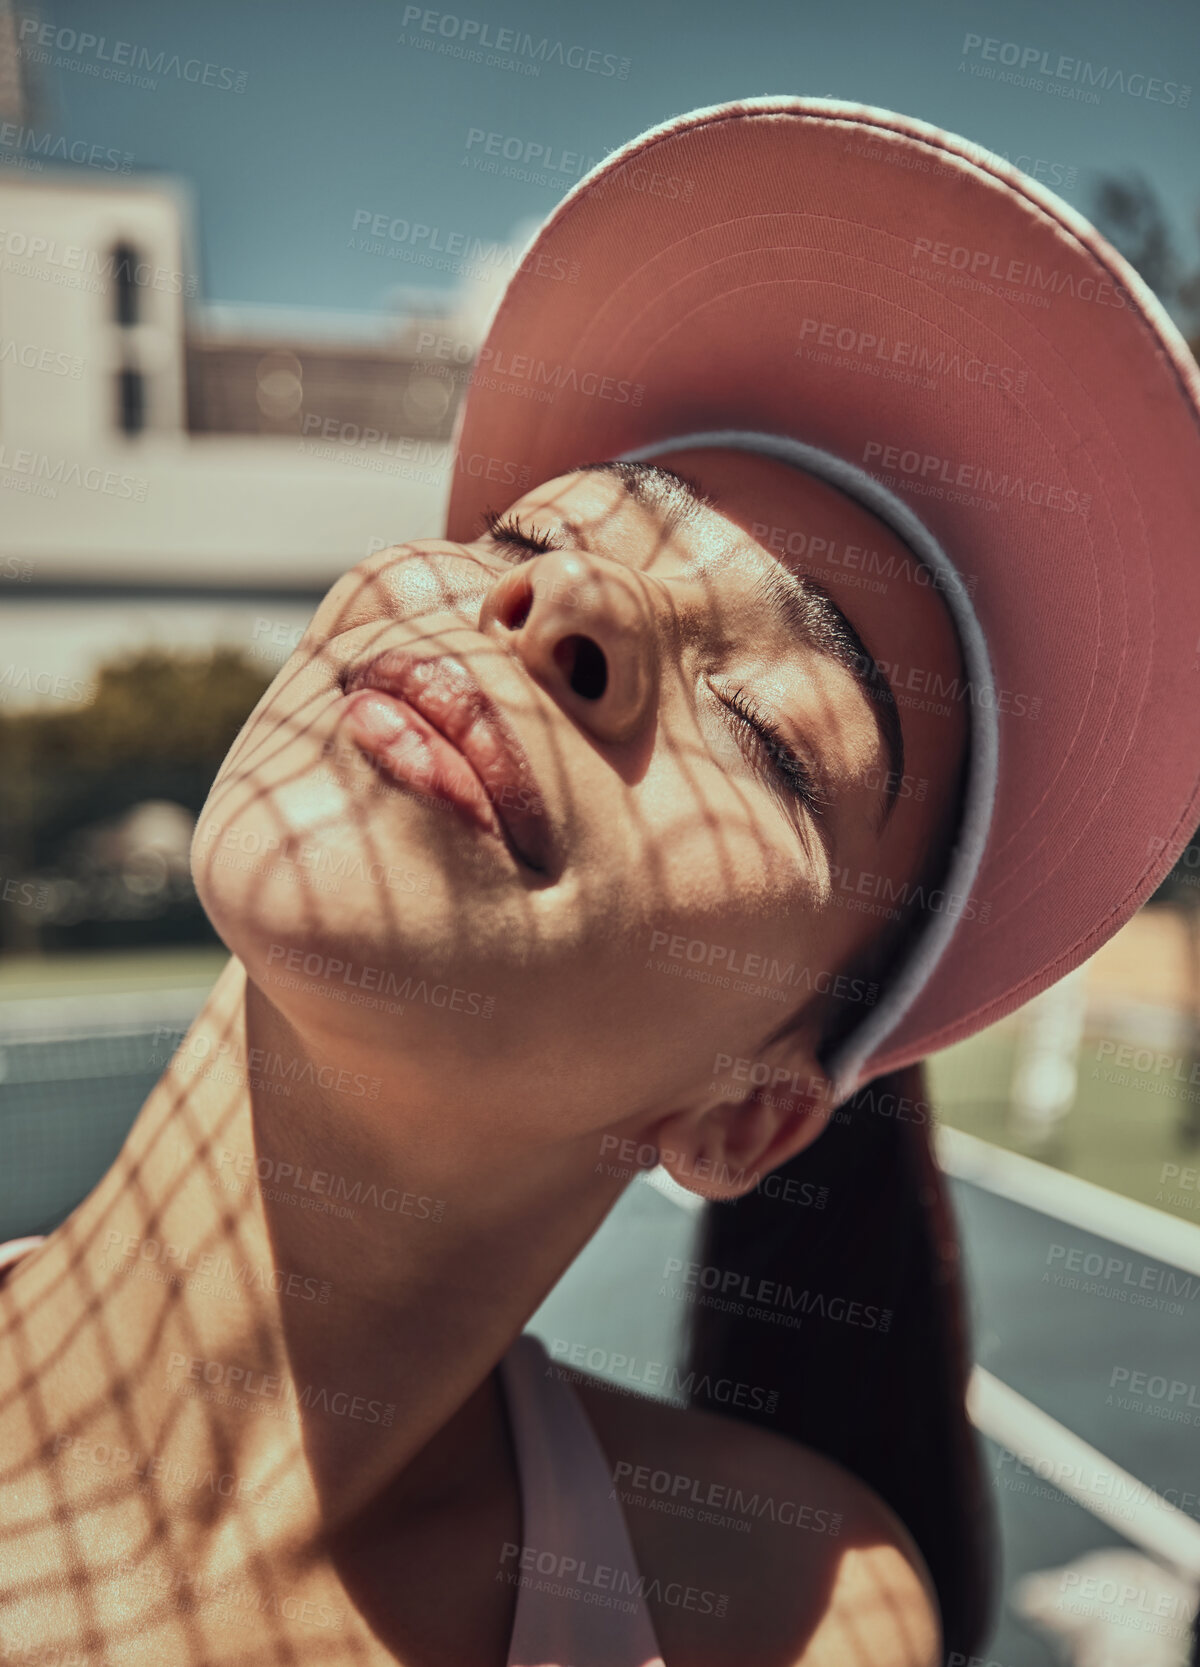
(109, 970)
(1118, 1135)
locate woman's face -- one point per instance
(561, 829)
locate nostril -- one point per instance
(583, 664)
(513, 600)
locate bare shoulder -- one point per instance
(756, 1549)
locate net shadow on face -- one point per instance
(425, 599)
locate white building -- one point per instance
(234, 459)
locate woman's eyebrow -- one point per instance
(673, 498)
(802, 606)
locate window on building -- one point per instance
(131, 401)
(126, 265)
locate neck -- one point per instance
(305, 1292)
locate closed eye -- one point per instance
(510, 532)
(771, 752)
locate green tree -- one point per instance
(158, 726)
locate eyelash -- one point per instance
(795, 775)
(770, 746)
(510, 531)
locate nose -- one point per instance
(584, 628)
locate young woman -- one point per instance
(668, 809)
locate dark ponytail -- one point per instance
(888, 1405)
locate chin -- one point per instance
(343, 963)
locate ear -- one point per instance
(757, 1115)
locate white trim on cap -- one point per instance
(847, 1065)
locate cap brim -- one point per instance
(874, 286)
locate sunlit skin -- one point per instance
(660, 822)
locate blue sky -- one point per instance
(342, 114)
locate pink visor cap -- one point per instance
(885, 306)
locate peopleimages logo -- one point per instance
(767, 1299)
(928, 470)
(24, 894)
(179, 1261)
(332, 972)
(1138, 1387)
(604, 1584)
(893, 351)
(520, 374)
(471, 38)
(1147, 1285)
(120, 56)
(158, 1468)
(622, 1370)
(924, 681)
(529, 154)
(850, 886)
(1148, 1070)
(311, 861)
(1061, 176)
(75, 266)
(634, 1156)
(249, 1386)
(323, 1187)
(492, 366)
(27, 141)
(1114, 1495)
(421, 243)
(232, 1596)
(760, 967)
(1148, 1604)
(1066, 76)
(192, 1052)
(25, 469)
(1003, 268)
(24, 680)
(30, 356)
(682, 1492)
(857, 558)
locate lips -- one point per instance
(427, 723)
